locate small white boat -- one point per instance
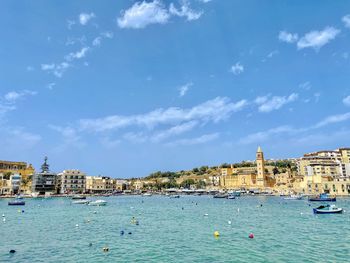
(328, 209)
(81, 202)
(293, 197)
(147, 194)
(98, 203)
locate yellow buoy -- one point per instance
(216, 234)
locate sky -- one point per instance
(126, 88)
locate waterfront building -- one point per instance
(44, 183)
(71, 181)
(99, 184)
(252, 175)
(5, 184)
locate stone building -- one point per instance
(71, 181)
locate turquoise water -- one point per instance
(285, 231)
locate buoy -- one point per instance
(76, 225)
(90, 244)
(205, 214)
(238, 210)
(129, 233)
(216, 234)
(182, 208)
(251, 235)
(19, 211)
(122, 232)
(12, 251)
(3, 215)
(22, 211)
(137, 223)
(105, 249)
(229, 222)
(4, 219)
(95, 212)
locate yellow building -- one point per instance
(257, 177)
(23, 169)
(99, 184)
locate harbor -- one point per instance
(178, 229)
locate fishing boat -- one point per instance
(293, 197)
(16, 202)
(81, 202)
(328, 209)
(77, 197)
(98, 203)
(147, 194)
(231, 196)
(220, 195)
(322, 198)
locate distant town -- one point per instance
(326, 171)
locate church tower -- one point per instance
(260, 165)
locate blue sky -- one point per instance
(125, 88)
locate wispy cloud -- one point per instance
(97, 40)
(183, 89)
(287, 37)
(56, 69)
(173, 131)
(214, 110)
(305, 85)
(77, 55)
(237, 68)
(84, 18)
(193, 141)
(314, 39)
(317, 39)
(261, 136)
(142, 14)
(13, 96)
(333, 119)
(346, 101)
(346, 20)
(270, 103)
(185, 11)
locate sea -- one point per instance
(173, 230)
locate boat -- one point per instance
(231, 196)
(147, 194)
(323, 198)
(174, 196)
(220, 196)
(81, 202)
(16, 202)
(98, 203)
(293, 197)
(235, 193)
(77, 197)
(328, 209)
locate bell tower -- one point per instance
(260, 165)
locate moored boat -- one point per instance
(328, 209)
(174, 196)
(81, 202)
(16, 202)
(98, 203)
(231, 196)
(220, 195)
(78, 197)
(323, 198)
(147, 194)
(293, 197)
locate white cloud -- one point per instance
(56, 69)
(346, 101)
(346, 20)
(70, 137)
(185, 11)
(316, 39)
(51, 85)
(77, 55)
(142, 14)
(108, 143)
(70, 24)
(13, 96)
(30, 68)
(97, 40)
(287, 37)
(273, 53)
(268, 103)
(333, 119)
(237, 68)
(135, 137)
(305, 85)
(175, 130)
(205, 1)
(193, 141)
(261, 136)
(183, 89)
(84, 18)
(214, 110)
